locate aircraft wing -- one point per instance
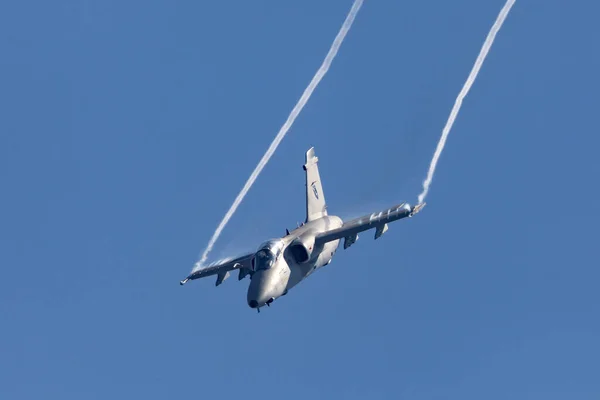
(222, 268)
(378, 220)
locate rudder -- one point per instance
(315, 199)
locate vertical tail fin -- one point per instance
(315, 199)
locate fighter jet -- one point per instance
(280, 264)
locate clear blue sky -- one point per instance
(127, 129)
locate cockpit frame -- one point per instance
(267, 254)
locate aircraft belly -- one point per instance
(321, 256)
(327, 253)
(285, 273)
(297, 273)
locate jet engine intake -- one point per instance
(302, 248)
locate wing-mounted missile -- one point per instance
(350, 240)
(221, 277)
(381, 229)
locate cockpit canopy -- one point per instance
(267, 254)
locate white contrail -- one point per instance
(467, 86)
(286, 126)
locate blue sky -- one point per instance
(127, 130)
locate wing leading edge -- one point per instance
(223, 268)
(350, 229)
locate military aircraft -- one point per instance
(280, 264)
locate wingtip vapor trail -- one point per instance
(286, 126)
(485, 48)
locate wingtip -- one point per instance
(310, 153)
(417, 208)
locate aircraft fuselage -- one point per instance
(286, 271)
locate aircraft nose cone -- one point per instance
(255, 289)
(263, 288)
(257, 300)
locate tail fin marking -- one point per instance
(315, 199)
